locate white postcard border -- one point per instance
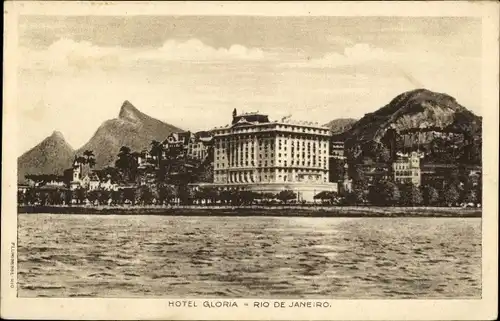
(127, 309)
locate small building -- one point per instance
(107, 184)
(145, 159)
(199, 145)
(177, 140)
(437, 174)
(94, 181)
(22, 188)
(84, 177)
(337, 149)
(375, 171)
(80, 170)
(406, 168)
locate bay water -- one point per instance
(122, 256)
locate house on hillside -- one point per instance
(337, 150)
(176, 144)
(90, 180)
(145, 159)
(192, 145)
(375, 171)
(108, 184)
(436, 173)
(406, 168)
(177, 140)
(199, 145)
(79, 171)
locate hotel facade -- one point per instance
(256, 154)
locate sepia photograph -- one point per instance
(223, 161)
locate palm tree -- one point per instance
(89, 157)
(81, 159)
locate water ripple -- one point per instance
(125, 256)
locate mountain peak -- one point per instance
(57, 135)
(51, 156)
(412, 111)
(132, 128)
(420, 95)
(128, 111)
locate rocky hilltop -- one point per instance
(420, 112)
(52, 156)
(132, 128)
(340, 125)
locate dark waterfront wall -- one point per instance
(308, 211)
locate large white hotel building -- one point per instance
(256, 154)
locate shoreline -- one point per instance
(276, 211)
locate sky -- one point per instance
(74, 72)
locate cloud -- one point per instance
(66, 54)
(352, 55)
(194, 49)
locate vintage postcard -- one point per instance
(247, 161)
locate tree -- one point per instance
(20, 197)
(384, 154)
(384, 193)
(204, 171)
(327, 197)
(430, 195)
(247, 197)
(129, 194)
(123, 160)
(286, 195)
(360, 188)
(112, 173)
(479, 191)
(117, 196)
(468, 192)
(470, 196)
(378, 151)
(410, 195)
(127, 163)
(133, 165)
(43, 198)
(80, 194)
(207, 194)
(104, 196)
(157, 150)
(56, 197)
(145, 195)
(31, 196)
(81, 159)
(68, 196)
(93, 196)
(89, 158)
(165, 193)
(212, 194)
(185, 194)
(393, 193)
(451, 195)
(225, 196)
